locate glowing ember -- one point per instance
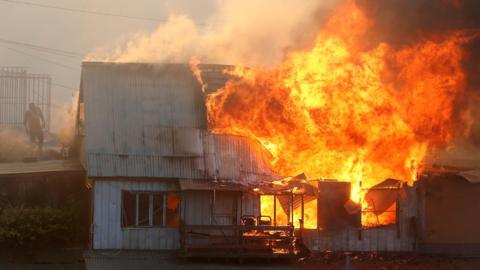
(341, 111)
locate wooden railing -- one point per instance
(237, 241)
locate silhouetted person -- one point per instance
(34, 124)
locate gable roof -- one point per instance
(145, 120)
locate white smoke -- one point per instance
(246, 32)
(14, 145)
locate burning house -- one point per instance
(215, 158)
(158, 174)
(162, 181)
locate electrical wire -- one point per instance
(42, 48)
(42, 59)
(84, 11)
(64, 86)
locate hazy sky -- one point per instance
(79, 32)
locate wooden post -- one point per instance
(397, 217)
(274, 210)
(292, 200)
(303, 209)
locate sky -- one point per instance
(79, 32)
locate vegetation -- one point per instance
(39, 227)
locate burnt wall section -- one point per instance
(449, 212)
(332, 197)
(396, 237)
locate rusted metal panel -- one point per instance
(107, 230)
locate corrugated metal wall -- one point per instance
(251, 204)
(371, 239)
(197, 206)
(200, 155)
(196, 209)
(236, 158)
(17, 89)
(107, 230)
(149, 121)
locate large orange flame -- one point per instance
(341, 111)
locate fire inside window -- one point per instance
(334, 208)
(382, 204)
(279, 209)
(150, 209)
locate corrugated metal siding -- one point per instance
(251, 204)
(236, 158)
(108, 233)
(143, 112)
(226, 157)
(144, 166)
(227, 210)
(198, 207)
(149, 121)
(372, 239)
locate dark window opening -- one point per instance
(143, 209)
(158, 209)
(129, 205)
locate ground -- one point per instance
(373, 260)
(132, 260)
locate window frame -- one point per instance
(151, 195)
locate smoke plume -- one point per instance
(240, 32)
(14, 145)
(262, 33)
(67, 121)
(404, 22)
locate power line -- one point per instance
(84, 11)
(49, 61)
(42, 48)
(41, 58)
(64, 86)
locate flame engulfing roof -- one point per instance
(146, 120)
